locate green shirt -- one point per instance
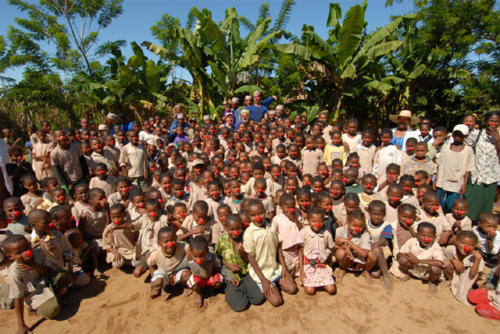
(225, 249)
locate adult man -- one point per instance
(258, 110)
(235, 109)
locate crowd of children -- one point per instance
(251, 209)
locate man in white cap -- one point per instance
(235, 109)
(245, 118)
(179, 120)
(111, 119)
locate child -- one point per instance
(16, 220)
(353, 247)
(261, 243)
(41, 156)
(455, 166)
(203, 269)
(62, 218)
(435, 145)
(83, 255)
(369, 183)
(167, 264)
(463, 264)
(68, 165)
(421, 257)
(94, 219)
(27, 284)
(456, 221)
(336, 150)
(17, 169)
(488, 237)
(380, 231)
(33, 198)
(122, 192)
(238, 292)
(352, 138)
(81, 203)
(288, 227)
(118, 244)
(197, 223)
(409, 152)
(431, 214)
(385, 155)
(102, 179)
(234, 201)
(311, 157)
(260, 194)
(351, 181)
(133, 160)
(420, 162)
(366, 152)
(315, 254)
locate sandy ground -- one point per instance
(120, 304)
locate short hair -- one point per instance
(199, 243)
(286, 198)
(407, 207)
(117, 206)
(428, 225)
(36, 215)
(13, 239)
(376, 205)
(351, 197)
(233, 218)
(356, 214)
(314, 211)
(94, 192)
(56, 211)
(200, 206)
(467, 234)
(165, 230)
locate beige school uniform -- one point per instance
(53, 248)
(453, 166)
(108, 185)
(412, 166)
(95, 224)
(196, 193)
(362, 240)
(190, 224)
(322, 242)
(78, 209)
(147, 241)
(69, 162)
(113, 155)
(465, 223)
(310, 161)
(433, 252)
(41, 165)
(461, 284)
(123, 241)
(134, 158)
(30, 202)
(234, 205)
(437, 220)
(366, 156)
(262, 244)
(168, 264)
(248, 188)
(339, 211)
(96, 158)
(352, 142)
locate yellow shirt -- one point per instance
(335, 152)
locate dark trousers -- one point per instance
(242, 296)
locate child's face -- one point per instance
(257, 215)
(82, 194)
(392, 175)
(406, 217)
(407, 186)
(410, 148)
(260, 189)
(322, 171)
(294, 152)
(377, 216)
(336, 190)
(420, 151)
(117, 216)
(356, 226)
(426, 237)
(168, 242)
(51, 185)
(319, 143)
(291, 186)
(352, 128)
(200, 216)
(98, 201)
(326, 205)
(304, 202)
(431, 204)
(315, 222)
(138, 202)
(488, 226)
(394, 196)
(350, 176)
(133, 138)
(123, 188)
(419, 179)
(30, 185)
(13, 211)
(258, 173)
(214, 191)
(369, 184)
(470, 121)
(367, 140)
(234, 230)
(199, 255)
(59, 197)
(288, 208)
(460, 209)
(309, 143)
(166, 184)
(101, 171)
(424, 129)
(177, 190)
(64, 221)
(465, 245)
(275, 173)
(385, 138)
(20, 251)
(222, 213)
(337, 139)
(44, 225)
(317, 186)
(350, 206)
(153, 212)
(439, 136)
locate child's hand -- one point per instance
(24, 266)
(492, 234)
(266, 286)
(459, 266)
(457, 225)
(233, 267)
(235, 281)
(412, 258)
(200, 229)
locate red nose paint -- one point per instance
(245, 224)
(98, 146)
(408, 222)
(305, 204)
(336, 141)
(416, 184)
(460, 212)
(420, 194)
(102, 172)
(237, 190)
(19, 158)
(330, 207)
(170, 244)
(435, 207)
(215, 193)
(258, 218)
(354, 165)
(467, 249)
(323, 172)
(104, 200)
(367, 140)
(236, 233)
(160, 200)
(202, 221)
(494, 124)
(153, 215)
(368, 186)
(427, 240)
(406, 188)
(395, 199)
(260, 191)
(17, 213)
(318, 225)
(179, 193)
(72, 218)
(386, 140)
(291, 210)
(62, 138)
(309, 146)
(357, 229)
(223, 218)
(182, 214)
(130, 188)
(141, 205)
(28, 253)
(117, 222)
(335, 192)
(199, 261)
(52, 225)
(277, 174)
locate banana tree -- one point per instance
(340, 64)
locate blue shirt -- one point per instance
(257, 112)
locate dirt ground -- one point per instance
(120, 304)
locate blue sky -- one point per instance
(139, 15)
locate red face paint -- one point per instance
(17, 213)
(318, 225)
(435, 207)
(170, 244)
(291, 210)
(199, 261)
(52, 225)
(408, 222)
(406, 189)
(102, 172)
(258, 218)
(427, 240)
(467, 249)
(330, 207)
(368, 186)
(117, 222)
(460, 212)
(28, 253)
(202, 221)
(141, 205)
(357, 229)
(153, 215)
(236, 233)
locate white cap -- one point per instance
(112, 116)
(248, 97)
(235, 100)
(464, 129)
(279, 107)
(102, 127)
(272, 112)
(179, 116)
(206, 117)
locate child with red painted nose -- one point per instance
(353, 247)
(119, 244)
(314, 256)
(197, 223)
(16, 220)
(421, 257)
(431, 213)
(463, 264)
(288, 227)
(262, 244)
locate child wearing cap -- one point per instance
(456, 164)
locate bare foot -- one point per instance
(433, 287)
(198, 300)
(97, 273)
(387, 283)
(188, 292)
(155, 292)
(339, 276)
(405, 278)
(368, 277)
(446, 284)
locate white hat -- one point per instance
(245, 111)
(279, 107)
(272, 112)
(206, 117)
(248, 97)
(235, 100)
(404, 113)
(112, 116)
(102, 127)
(180, 116)
(464, 129)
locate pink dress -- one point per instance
(317, 250)
(290, 235)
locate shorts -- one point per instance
(161, 274)
(202, 282)
(274, 281)
(141, 261)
